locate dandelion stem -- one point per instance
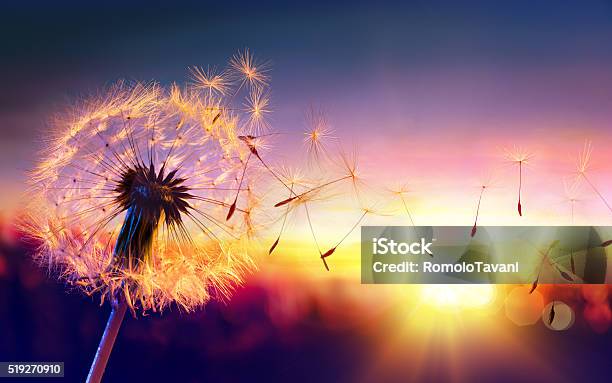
(315, 237)
(519, 207)
(474, 228)
(352, 228)
(233, 206)
(275, 175)
(287, 211)
(298, 196)
(545, 257)
(106, 342)
(407, 210)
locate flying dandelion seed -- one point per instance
(349, 164)
(475, 227)
(365, 212)
(333, 249)
(131, 193)
(249, 71)
(257, 107)
(545, 258)
(318, 134)
(313, 195)
(210, 80)
(486, 184)
(350, 167)
(401, 192)
(521, 157)
(584, 161)
(293, 178)
(253, 144)
(554, 266)
(310, 191)
(572, 196)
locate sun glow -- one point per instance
(458, 296)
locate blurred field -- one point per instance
(291, 326)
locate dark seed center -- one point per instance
(150, 199)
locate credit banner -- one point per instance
(491, 254)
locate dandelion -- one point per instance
(521, 157)
(309, 192)
(584, 161)
(130, 197)
(348, 162)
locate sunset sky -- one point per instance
(431, 94)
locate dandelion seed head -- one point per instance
(210, 80)
(584, 158)
(257, 108)
(318, 134)
(248, 70)
(518, 154)
(349, 163)
(401, 189)
(488, 179)
(293, 176)
(131, 191)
